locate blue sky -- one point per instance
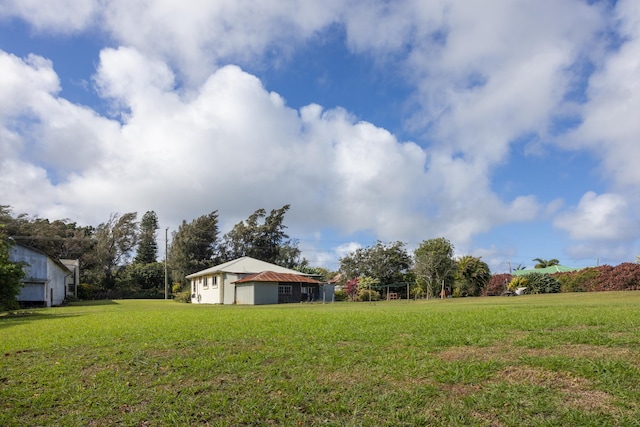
(509, 128)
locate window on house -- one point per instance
(205, 282)
(214, 282)
(284, 289)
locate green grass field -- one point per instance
(556, 360)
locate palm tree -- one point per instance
(544, 263)
(472, 275)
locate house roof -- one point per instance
(271, 276)
(547, 270)
(244, 265)
(56, 261)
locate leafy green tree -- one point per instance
(11, 274)
(544, 263)
(472, 275)
(320, 272)
(366, 289)
(142, 276)
(148, 246)
(194, 246)
(386, 263)
(262, 237)
(58, 239)
(114, 242)
(145, 273)
(434, 265)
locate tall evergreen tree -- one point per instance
(147, 246)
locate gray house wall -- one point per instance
(266, 293)
(244, 294)
(46, 280)
(229, 288)
(256, 293)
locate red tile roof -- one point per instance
(270, 276)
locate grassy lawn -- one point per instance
(565, 359)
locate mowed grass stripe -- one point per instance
(568, 359)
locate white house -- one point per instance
(72, 283)
(47, 280)
(248, 280)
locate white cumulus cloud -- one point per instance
(599, 217)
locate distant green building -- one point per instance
(547, 270)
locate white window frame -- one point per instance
(285, 289)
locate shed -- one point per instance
(269, 287)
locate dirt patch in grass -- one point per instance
(578, 391)
(460, 390)
(506, 353)
(584, 351)
(500, 353)
(487, 419)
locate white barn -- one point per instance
(248, 280)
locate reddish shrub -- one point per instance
(623, 277)
(497, 284)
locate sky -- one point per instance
(511, 128)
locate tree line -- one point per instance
(431, 271)
(119, 257)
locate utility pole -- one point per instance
(166, 279)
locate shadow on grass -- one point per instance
(19, 317)
(89, 303)
(25, 315)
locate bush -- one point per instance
(368, 295)
(539, 283)
(340, 295)
(578, 281)
(497, 285)
(518, 282)
(623, 277)
(87, 291)
(184, 296)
